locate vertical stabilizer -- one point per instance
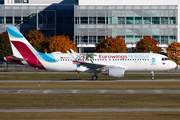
(18, 42)
(22, 48)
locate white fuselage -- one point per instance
(129, 61)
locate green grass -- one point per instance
(92, 116)
(65, 101)
(150, 85)
(82, 76)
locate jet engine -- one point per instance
(114, 72)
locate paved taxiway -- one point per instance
(74, 80)
(94, 91)
(92, 110)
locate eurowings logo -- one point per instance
(113, 56)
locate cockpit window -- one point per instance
(163, 59)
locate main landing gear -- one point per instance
(152, 75)
(94, 77)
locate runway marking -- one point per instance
(91, 110)
(94, 91)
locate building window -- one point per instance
(121, 20)
(111, 20)
(92, 20)
(100, 38)
(77, 39)
(92, 39)
(20, 1)
(51, 20)
(17, 20)
(25, 20)
(156, 38)
(164, 39)
(137, 38)
(138, 20)
(68, 20)
(84, 39)
(164, 20)
(84, 20)
(60, 20)
(155, 20)
(146, 20)
(76, 20)
(172, 39)
(1, 1)
(1, 20)
(101, 20)
(33, 18)
(123, 37)
(129, 20)
(172, 20)
(9, 20)
(129, 40)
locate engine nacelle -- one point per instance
(115, 72)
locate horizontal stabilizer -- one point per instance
(14, 58)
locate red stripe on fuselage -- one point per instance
(27, 54)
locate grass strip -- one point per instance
(83, 76)
(92, 116)
(154, 85)
(65, 101)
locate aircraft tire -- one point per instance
(152, 78)
(94, 77)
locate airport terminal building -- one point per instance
(88, 21)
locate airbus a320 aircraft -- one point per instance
(112, 64)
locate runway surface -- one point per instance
(92, 110)
(75, 80)
(94, 91)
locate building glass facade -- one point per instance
(54, 19)
(130, 22)
(88, 24)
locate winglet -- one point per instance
(71, 56)
(72, 51)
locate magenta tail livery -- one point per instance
(112, 64)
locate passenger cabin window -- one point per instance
(164, 59)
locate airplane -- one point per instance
(112, 64)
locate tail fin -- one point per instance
(22, 48)
(19, 44)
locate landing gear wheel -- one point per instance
(152, 78)
(94, 77)
(152, 75)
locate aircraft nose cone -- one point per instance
(174, 65)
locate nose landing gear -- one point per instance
(152, 75)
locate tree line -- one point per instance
(63, 43)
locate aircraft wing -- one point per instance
(90, 65)
(93, 66)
